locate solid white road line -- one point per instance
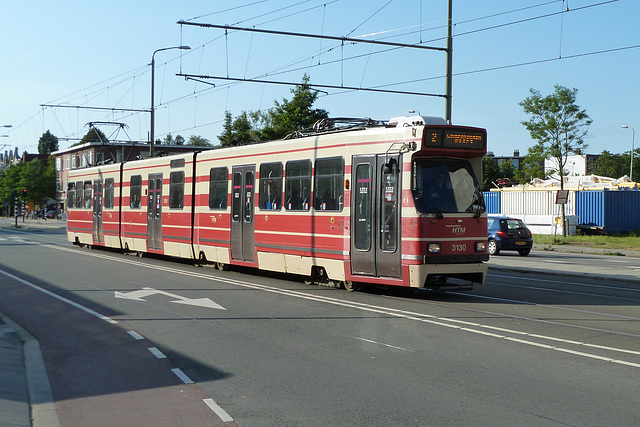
(63, 299)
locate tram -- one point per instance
(354, 202)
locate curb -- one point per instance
(43, 411)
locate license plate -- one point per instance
(520, 243)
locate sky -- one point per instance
(58, 58)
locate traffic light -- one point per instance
(23, 193)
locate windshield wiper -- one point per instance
(479, 199)
(435, 210)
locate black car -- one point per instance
(508, 234)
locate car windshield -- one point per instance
(446, 186)
(514, 224)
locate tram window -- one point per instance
(270, 186)
(108, 193)
(236, 199)
(79, 193)
(329, 191)
(362, 207)
(389, 208)
(298, 186)
(218, 188)
(87, 194)
(176, 190)
(135, 192)
(71, 195)
(248, 196)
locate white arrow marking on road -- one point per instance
(139, 295)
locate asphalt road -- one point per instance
(527, 348)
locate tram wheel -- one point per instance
(140, 254)
(222, 266)
(351, 286)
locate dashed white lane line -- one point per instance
(224, 416)
(135, 335)
(157, 353)
(183, 377)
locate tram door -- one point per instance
(98, 236)
(375, 216)
(154, 212)
(242, 210)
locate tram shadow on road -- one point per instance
(86, 352)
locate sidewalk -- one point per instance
(38, 224)
(25, 393)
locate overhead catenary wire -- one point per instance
(94, 94)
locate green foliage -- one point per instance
(94, 135)
(294, 115)
(169, 140)
(629, 241)
(198, 141)
(37, 179)
(490, 171)
(614, 165)
(242, 130)
(283, 119)
(557, 124)
(48, 143)
(506, 170)
(533, 164)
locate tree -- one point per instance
(294, 115)
(226, 137)
(198, 141)
(168, 140)
(558, 125)
(10, 183)
(179, 140)
(506, 170)
(48, 143)
(242, 130)
(533, 166)
(490, 171)
(612, 165)
(94, 135)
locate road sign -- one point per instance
(561, 197)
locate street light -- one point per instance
(153, 66)
(633, 143)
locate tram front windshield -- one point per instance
(446, 186)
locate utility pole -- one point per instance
(152, 151)
(449, 62)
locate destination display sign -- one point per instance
(455, 138)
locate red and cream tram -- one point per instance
(396, 203)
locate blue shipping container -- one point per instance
(492, 201)
(618, 211)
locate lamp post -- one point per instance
(633, 143)
(152, 150)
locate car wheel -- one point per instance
(493, 247)
(524, 252)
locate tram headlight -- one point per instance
(481, 246)
(434, 248)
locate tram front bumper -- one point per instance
(436, 276)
